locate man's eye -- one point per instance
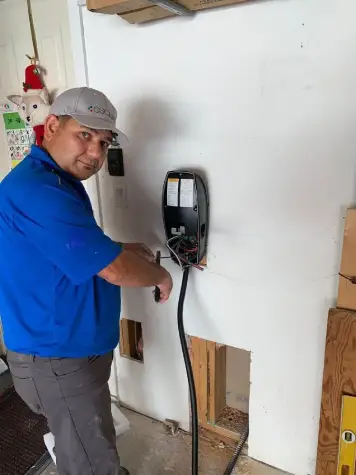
(85, 135)
(105, 145)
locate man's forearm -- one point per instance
(132, 270)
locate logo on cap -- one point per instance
(101, 110)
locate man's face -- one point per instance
(78, 150)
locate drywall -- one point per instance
(261, 98)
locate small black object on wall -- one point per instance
(116, 162)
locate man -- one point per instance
(60, 279)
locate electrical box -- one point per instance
(185, 208)
(116, 161)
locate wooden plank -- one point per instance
(213, 436)
(339, 379)
(200, 371)
(229, 434)
(128, 338)
(216, 360)
(347, 290)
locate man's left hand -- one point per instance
(141, 250)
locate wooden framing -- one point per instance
(216, 380)
(199, 358)
(130, 334)
(220, 431)
(209, 368)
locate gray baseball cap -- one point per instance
(90, 108)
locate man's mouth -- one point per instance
(89, 166)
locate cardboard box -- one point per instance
(347, 290)
(147, 14)
(112, 7)
(204, 4)
(141, 11)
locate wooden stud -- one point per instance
(200, 371)
(130, 333)
(209, 368)
(339, 379)
(216, 380)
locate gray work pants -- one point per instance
(73, 394)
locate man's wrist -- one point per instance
(165, 275)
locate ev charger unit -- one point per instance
(185, 207)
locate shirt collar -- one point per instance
(41, 154)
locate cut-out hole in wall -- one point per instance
(131, 341)
(222, 380)
(234, 415)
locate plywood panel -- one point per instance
(339, 378)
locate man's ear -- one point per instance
(51, 126)
(15, 99)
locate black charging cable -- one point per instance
(193, 397)
(157, 291)
(189, 370)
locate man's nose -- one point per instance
(94, 150)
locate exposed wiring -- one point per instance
(184, 250)
(189, 264)
(173, 251)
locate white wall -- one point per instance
(261, 97)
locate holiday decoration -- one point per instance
(32, 77)
(19, 137)
(33, 108)
(24, 114)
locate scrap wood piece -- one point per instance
(339, 379)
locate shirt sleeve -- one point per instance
(64, 230)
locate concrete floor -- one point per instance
(146, 449)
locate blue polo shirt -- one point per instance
(52, 303)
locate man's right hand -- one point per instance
(132, 270)
(165, 288)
